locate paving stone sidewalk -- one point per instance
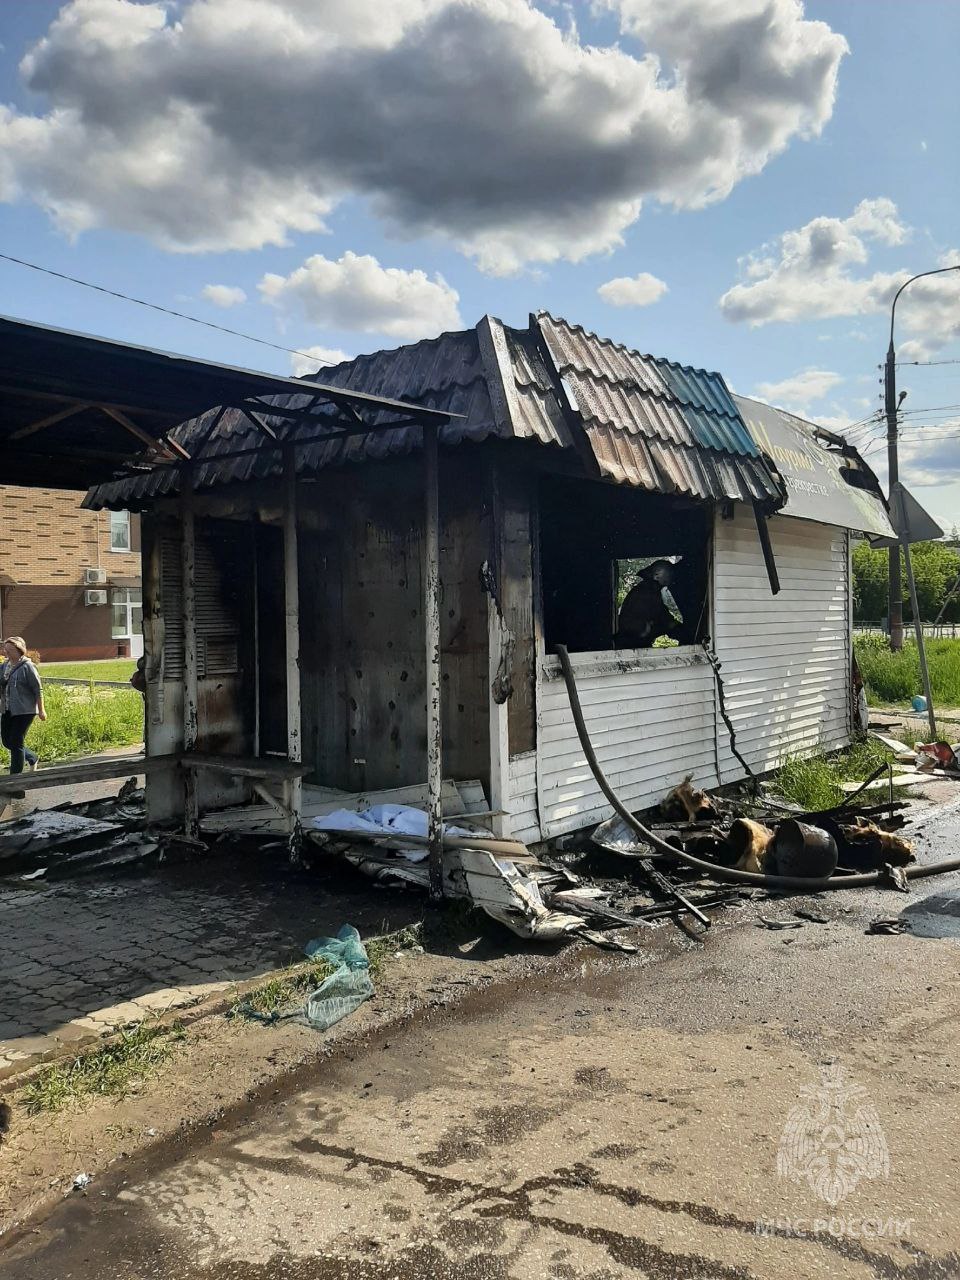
(81, 957)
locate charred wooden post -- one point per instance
(431, 617)
(496, 637)
(191, 809)
(291, 598)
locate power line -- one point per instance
(932, 408)
(168, 311)
(927, 363)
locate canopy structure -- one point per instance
(78, 410)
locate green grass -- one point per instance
(84, 720)
(287, 989)
(109, 669)
(382, 949)
(113, 1071)
(282, 992)
(814, 782)
(894, 678)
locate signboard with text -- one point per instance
(814, 475)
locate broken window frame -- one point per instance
(610, 526)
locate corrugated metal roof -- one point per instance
(656, 424)
(650, 423)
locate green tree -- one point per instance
(935, 566)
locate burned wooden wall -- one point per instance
(515, 503)
(363, 657)
(225, 649)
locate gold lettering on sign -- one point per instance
(786, 459)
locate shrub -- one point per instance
(895, 677)
(82, 720)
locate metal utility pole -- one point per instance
(891, 405)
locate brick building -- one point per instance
(69, 578)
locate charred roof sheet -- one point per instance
(493, 378)
(650, 423)
(657, 424)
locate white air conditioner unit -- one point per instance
(95, 577)
(95, 597)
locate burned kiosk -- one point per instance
(292, 610)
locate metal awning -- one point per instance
(826, 478)
(78, 410)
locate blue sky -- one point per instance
(802, 181)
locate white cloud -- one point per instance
(930, 310)
(633, 291)
(800, 391)
(930, 456)
(312, 361)
(230, 124)
(223, 295)
(356, 293)
(809, 273)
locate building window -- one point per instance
(119, 530)
(622, 568)
(127, 613)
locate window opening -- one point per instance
(605, 548)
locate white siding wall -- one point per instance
(654, 719)
(785, 658)
(524, 817)
(651, 721)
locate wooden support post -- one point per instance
(255, 591)
(191, 808)
(498, 711)
(431, 617)
(291, 607)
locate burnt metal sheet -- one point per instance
(78, 408)
(816, 476)
(656, 424)
(575, 348)
(451, 374)
(649, 422)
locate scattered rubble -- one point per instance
(572, 891)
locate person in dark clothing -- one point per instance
(139, 677)
(644, 615)
(21, 702)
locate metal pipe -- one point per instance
(728, 874)
(770, 564)
(895, 585)
(918, 631)
(431, 617)
(291, 613)
(895, 599)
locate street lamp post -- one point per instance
(891, 406)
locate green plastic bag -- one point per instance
(346, 988)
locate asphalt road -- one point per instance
(772, 1103)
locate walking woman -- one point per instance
(21, 701)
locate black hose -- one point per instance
(729, 874)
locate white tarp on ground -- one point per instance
(395, 820)
(495, 884)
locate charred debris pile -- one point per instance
(693, 853)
